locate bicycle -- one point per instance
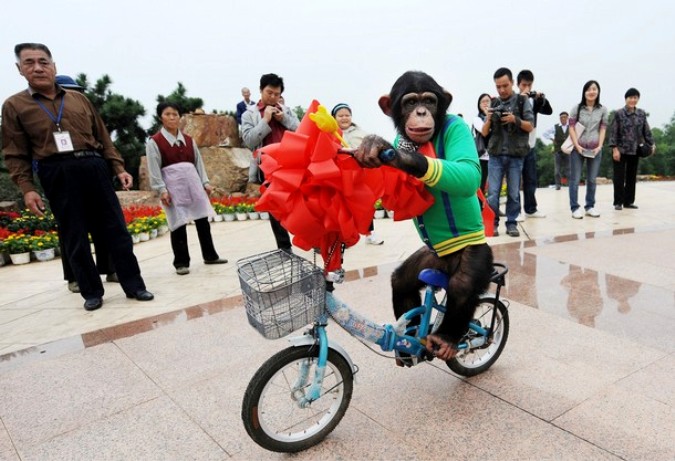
(299, 395)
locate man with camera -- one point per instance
(265, 123)
(540, 105)
(509, 122)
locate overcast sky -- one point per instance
(353, 51)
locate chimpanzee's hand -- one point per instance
(368, 153)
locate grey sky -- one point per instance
(352, 51)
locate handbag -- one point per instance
(644, 149)
(481, 148)
(568, 146)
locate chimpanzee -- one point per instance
(452, 228)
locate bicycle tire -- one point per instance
(269, 402)
(471, 362)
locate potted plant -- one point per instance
(134, 229)
(218, 209)
(241, 211)
(18, 247)
(252, 213)
(228, 213)
(44, 245)
(379, 209)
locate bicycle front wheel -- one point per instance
(271, 411)
(473, 361)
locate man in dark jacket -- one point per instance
(540, 105)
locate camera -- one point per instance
(501, 110)
(533, 94)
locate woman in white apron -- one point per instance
(177, 173)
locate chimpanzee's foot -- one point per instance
(441, 346)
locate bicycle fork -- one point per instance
(303, 398)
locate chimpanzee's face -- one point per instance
(419, 112)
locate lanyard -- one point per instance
(56, 119)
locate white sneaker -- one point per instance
(520, 217)
(373, 239)
(536, 214)
(592, 213)
(578, 213)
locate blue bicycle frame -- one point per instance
(391, 337)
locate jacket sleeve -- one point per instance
(290, 120)
(154, 159)
(614, 131)
(16, 149)
(647, 133)
(253, 129)
(542, 106)
(459, 173)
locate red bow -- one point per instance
(324, 198)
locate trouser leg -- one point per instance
(281, 235)
(631, 179)
(205, 239)
(179, 245)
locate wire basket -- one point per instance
(282, 292)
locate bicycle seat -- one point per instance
(434, 277)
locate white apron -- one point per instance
(188, 197)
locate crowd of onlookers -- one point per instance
(505, 134)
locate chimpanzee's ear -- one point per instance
(385, 104)
(448, 95)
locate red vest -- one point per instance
(174, 154)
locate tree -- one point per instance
(120, 115)
(180, 98)
(299, 112)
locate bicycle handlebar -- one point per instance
(385, 156)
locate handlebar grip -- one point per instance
(387, 155)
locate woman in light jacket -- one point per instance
(587, 147)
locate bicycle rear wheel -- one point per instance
(271, 413)
(473, 361)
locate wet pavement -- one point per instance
(587, 373)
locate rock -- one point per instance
(227, 167)
(137, 197)
(211, 130)
(143, 175)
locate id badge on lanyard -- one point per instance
(62, 139)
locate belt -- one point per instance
(70, 155)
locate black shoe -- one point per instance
(93, 303)
(513, 231)
(141, 295)
(216, 261)
(112, 278)
(631, 206)
(618, 207)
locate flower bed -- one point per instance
(25, 232)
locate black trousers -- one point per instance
(281, 235)
(179, 243)
(625, 177)
(83, 201)
(104, 263)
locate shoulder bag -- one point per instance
(568, 146)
